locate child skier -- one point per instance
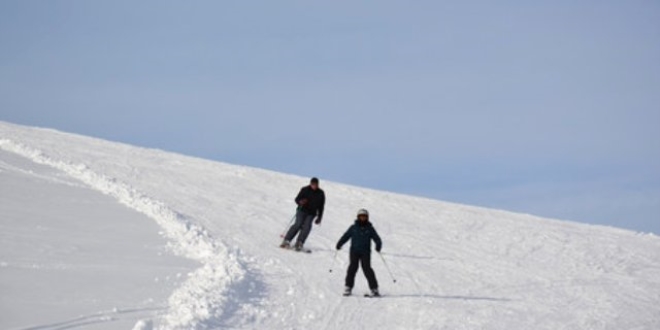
(361, 233)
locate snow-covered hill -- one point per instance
(457, 267)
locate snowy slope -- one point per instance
(71, 256)
(457, 267)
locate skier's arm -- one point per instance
(321, 207)
(344, 238)
(300, 199)
(376, 238)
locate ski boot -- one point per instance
(347, 291)
(374, 293)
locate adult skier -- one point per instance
(361, 233)
(311, 201)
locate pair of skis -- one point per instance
(366, 295)
(292, 248)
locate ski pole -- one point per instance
(387, 267)
(334, 259)
(287, 226)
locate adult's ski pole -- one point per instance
(287, 226)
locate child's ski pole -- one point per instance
(334, 259)
(387, 267)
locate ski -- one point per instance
(291, 248)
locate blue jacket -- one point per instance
(361, 234)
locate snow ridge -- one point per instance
(202, 297)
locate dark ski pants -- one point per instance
(303, 225)
(365, 259)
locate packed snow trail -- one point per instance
(458, 267)
(202, 296)
(60, 262)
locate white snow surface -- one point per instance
(456, 266)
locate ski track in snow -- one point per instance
(88, 320)
(202, 298)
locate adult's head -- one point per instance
(314, 183)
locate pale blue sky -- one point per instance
(551, 109)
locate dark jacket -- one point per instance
(361, 234)
(315, 201)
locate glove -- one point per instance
(378, 249)
(318, 220)
(302, 202)
(338, 247)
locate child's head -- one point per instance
(363, 215)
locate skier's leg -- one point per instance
(295, 228)
(306, 228)
(352, 270)
(369, 272)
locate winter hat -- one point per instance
(363, 212)
(314, 180)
